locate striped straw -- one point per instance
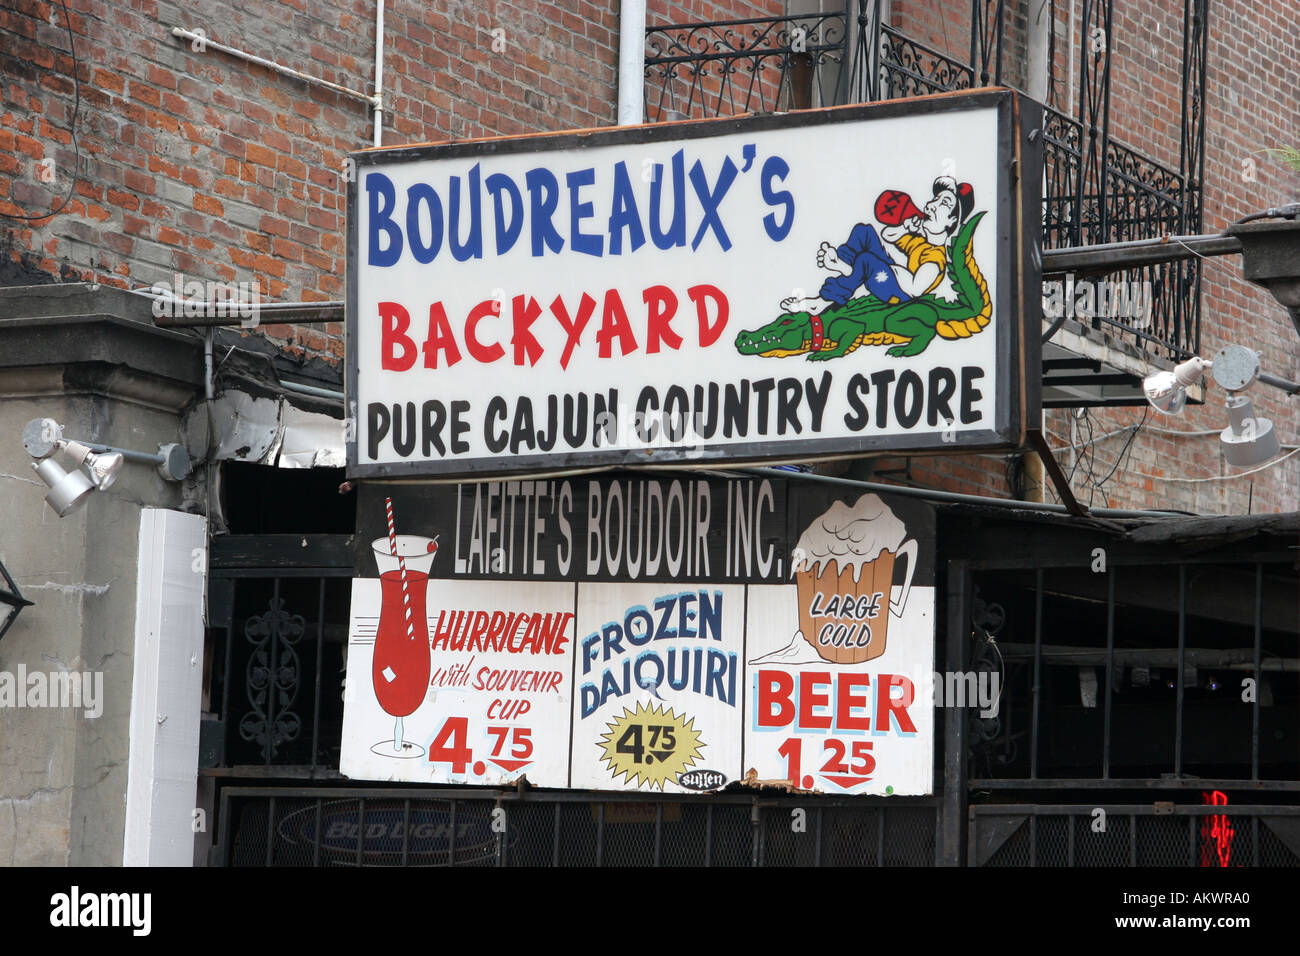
(401, 564)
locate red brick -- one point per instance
(123, 200)
(208, 204)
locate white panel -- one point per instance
(658, 686)
(166, 689)
(484, 698)
(840, 669)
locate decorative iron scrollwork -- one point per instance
(271, 678)
(910, 68)
(743, 66)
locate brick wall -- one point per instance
(1250, 103)
(198, 163)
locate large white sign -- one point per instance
(626, 632)
(823, 283)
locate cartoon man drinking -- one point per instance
(906, 259)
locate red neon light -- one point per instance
(1216, 832)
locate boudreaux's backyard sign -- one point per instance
(797, 286)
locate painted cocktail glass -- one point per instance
(400, 671)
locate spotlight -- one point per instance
(67, 489)
(1247, 440)
(99, 465)
(1167, 391)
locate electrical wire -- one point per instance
(1241, 474)
(1128, 444)
(76, 147)
(1133, 430)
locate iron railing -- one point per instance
(355, 827)
(1097, 190)
(759, 65)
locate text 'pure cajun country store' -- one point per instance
(653, 433)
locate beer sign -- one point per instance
(814, 284)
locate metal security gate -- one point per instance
(1134, 836)
(284, 826)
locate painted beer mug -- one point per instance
(844, 572)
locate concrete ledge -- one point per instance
(62, 325)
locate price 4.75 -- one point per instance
(451, 745)
(647, 742)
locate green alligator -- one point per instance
(909, 326)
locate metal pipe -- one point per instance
(1291, 388)
(1110, 670)
(1259, 677)
(953, 496)
(1038, 664)
(313, 390)
(226, 313)
(207, 364)
(206, 42)
(329, 304)
(377, 101)
(631, 63)
(140, 456)
(1203, 658)
(1107, 257)
(1179, 692)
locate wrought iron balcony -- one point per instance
(1097, 189)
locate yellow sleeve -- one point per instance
(932, 253)
(919, 251)
(907, 242)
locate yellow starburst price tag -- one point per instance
(650, 745)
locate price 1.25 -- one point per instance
(848, 764)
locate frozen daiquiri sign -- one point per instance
(664, 634)
(821, 283)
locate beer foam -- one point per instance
(850, 537)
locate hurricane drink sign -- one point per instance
(820, 283)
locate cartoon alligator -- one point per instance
(909, 326)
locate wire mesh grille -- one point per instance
(1081, 837)
(305, 828)
(1102, 841)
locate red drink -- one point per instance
(401, 664)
